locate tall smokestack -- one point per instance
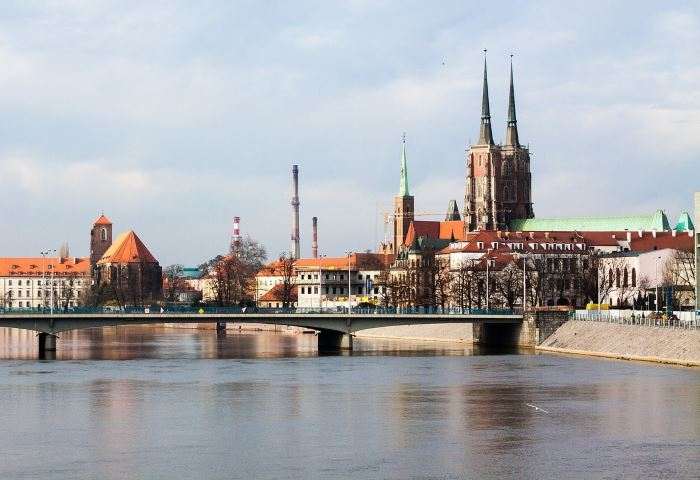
(295, 211)
(236, 233)
(314, 238)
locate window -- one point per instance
(334, 290)
(625, 283)
(315, 289)
(617, 277)
(634, 277)
(302, 290)
(103, 234)
(19, 282)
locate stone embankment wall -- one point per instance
(442, 332)
(631, 342)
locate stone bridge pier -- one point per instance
(330, 341)
(537, 325)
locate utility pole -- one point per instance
(488, 251)
(349, 254)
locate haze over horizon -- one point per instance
(173, 117)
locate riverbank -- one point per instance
(626, 342)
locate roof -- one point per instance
(450, 230)
(272, 269)
(102, 220)
(191, 273)
(639, 241)
(276, 294)
(362, 261)
(684, 223)
(656, 221)
(36, 266)
(127, 248)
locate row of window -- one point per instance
(358, 290)
(333, 276)
(29, 305)
(28, 282)
(28, 293)
(625, 278)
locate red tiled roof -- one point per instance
(35, 266)
(102, 220)
(127, 248)
(449, 230)
(275, 294)
(357, 260)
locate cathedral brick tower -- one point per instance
(498, 176)
(403, 205)
(100, 238)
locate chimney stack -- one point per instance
(314, 238)
(295, 211)
(236, 233)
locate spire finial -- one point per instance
(403, 184)
(485, 134)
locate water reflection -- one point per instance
(392, 409)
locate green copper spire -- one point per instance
(485, 134)
(403, 186)
(512, 130)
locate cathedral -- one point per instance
(498, 186)
(498, 182)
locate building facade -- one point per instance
(40, 282)
(127, 273)
(498, 180)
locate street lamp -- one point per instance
(349, 254)
(656, 300)
(488, 251)
(43, 278)
(524, 283)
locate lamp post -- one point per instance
(349, 254)
(524, 283)
(656, 300)
(43, 277)
(488, 250)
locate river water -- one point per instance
(158, 403)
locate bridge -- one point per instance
(336, 329)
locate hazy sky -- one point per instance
(172, 117)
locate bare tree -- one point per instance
(174, 281)
(233, 275)
(288, 285)
(679, 274)
(508, 284)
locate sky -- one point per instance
(173, 117)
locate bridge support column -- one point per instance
(220, 328)
(47, 342)
(332, 341)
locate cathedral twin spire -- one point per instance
(485, 132)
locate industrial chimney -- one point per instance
(236, 233)
(314, 238)
(295, 211)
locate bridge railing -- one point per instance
(186, 309)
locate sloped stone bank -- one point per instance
(629, 342)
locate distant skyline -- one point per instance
(174, 117)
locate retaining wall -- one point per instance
(632, 342)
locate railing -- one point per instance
(184, 309)
(646, 319)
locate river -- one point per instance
(159, 403)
